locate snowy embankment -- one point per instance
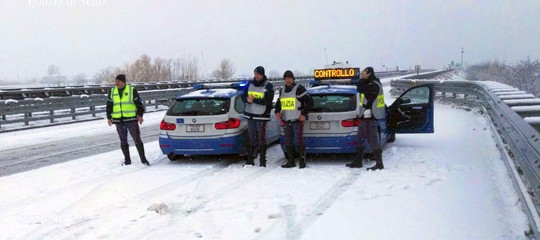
(448, 185)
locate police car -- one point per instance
(209, 121)
(332, 125)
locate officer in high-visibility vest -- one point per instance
(257, 96)
(125, 109)
(372, 109)
(292, 108)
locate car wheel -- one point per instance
(173, 157)
(392, 137)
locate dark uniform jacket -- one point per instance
(370, 89)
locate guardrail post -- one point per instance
(51, 116)
(93, 110)
(26, 121)
(72, 113)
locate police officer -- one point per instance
(292, 107)
(125, 109)
(257, 96)
(373, 109)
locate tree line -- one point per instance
(146, 69)
(524, 75)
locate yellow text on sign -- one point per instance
(335, 73)
(256, 95)
(288, 103)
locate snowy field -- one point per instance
(449, 185)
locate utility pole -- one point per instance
(204, 64)
(326, 55)
(462, 67)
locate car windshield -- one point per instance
(199, 107)
(334, 103)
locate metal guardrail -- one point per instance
(52, 108)
(520, 138)
(429, 75)
(47, 92)
(34, 104)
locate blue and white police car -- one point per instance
(332, 125)
(208, 121)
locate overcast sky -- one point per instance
(279, 35)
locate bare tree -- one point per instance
(525, 75)
(146, 70)
(225, 70)
(79, 79)
(175, 70)
(141, 70)
(53, 73)
(190, 69)
(53, 70)
(104, 75)
(161, 69)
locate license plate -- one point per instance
(195, 128)
(319, 125)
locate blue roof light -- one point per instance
(239, 84)
(198, 86)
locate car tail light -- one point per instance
(350, 122)
(167, 126)
(229, 124)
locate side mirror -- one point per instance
(405, 100)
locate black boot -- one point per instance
(140, 149)
(262, 158)
(250, 156)
(290, 158)
(377, 154)
(358, 159)
(125, 151)
(302, 157)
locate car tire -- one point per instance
(173, 157)
(392, 137)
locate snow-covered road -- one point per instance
(448, 185)
(34, 148)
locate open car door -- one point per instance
(412, 112)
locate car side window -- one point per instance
(239, 105)
(418, 95)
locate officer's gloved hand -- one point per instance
(367, 113)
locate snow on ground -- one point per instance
(48, 134)
(448, 185)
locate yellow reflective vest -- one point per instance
(123, 106)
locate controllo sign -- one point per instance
(336, 73)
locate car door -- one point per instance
(412, 112)
(273, 126)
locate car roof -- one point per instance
(212, 93)
(333, 89)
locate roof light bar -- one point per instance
(237, 85)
